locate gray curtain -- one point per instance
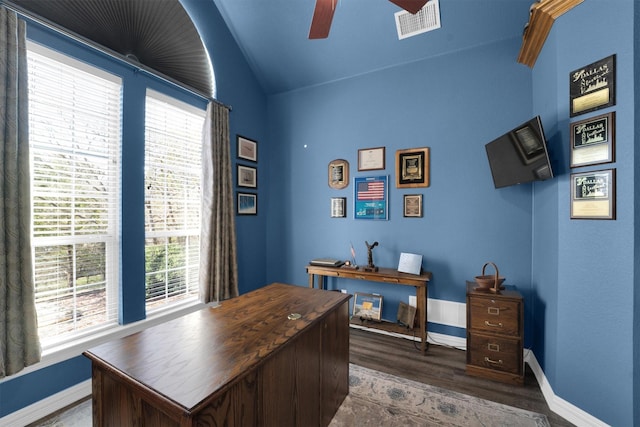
(218, 265)
(19, 344)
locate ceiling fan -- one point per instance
(323, 14)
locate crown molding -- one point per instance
(542, 16)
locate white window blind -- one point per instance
(173, 147)
(75, 138)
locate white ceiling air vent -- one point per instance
(427, 19)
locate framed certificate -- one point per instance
(412, 168)
(592, 140)
(593, 87)
(338, 174)
(371, 159)
(593, 195)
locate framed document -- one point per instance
(412, 168)
(247, 204)
(367, 306)
(370, 198)
(413, 205)
(592, 140)
(593, 87)
(338, 207)
(593, 195)
(371, 159)
(338, 174)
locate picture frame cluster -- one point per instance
(592, 140)
(371, 193)
(246, 176)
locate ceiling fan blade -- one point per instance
(411, 6)
(322, 16)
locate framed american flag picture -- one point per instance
(371, 197)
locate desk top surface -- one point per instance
(190, 358)
(382, 272)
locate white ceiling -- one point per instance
(273, 34)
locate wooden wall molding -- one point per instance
(543, 15)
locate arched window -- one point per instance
(158, 35)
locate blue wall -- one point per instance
(454, 104)
(585, 318)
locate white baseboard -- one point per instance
(558, 405)
(47, 406)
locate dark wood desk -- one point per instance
(385, 275)
(243, 363)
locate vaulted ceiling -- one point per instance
(273, 34)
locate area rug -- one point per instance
(379, 399)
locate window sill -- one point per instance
(59, 353)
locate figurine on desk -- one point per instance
(370, 266)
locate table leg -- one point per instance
(421, 295)
(311, 276)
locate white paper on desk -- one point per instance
(410, 263)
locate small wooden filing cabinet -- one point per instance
(495, 335)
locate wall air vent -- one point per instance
(427, 19)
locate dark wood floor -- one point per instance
(444, 367)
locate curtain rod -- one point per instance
(105, 50)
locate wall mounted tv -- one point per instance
(520, 155)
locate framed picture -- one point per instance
(413, 205)
(247, 149)
(370, 197)
(592, 140)
(367, 306)
(247, 176)
(593, 195)
(338, 207)
(412, 168)
(593, 87)
(247, 204)
(371, 159)
(338, 174)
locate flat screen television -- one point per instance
(520, 155)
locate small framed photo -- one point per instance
(367, 306)
(338, 174)
(413, 205)
(593, 195)
(412, 168)
(592, 140)
(247, 176)
(370, 159)
(247, 204)
(338, 207)
(247, 148)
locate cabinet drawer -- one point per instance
(496, 316)
(500, 354)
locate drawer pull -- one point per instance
(493, 362)
(494, 311)
(495, 325)
(388, 279)
(493, 347)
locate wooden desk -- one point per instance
(243, 363)
(385, 275)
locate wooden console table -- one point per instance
(384, 275)
(247, 362)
